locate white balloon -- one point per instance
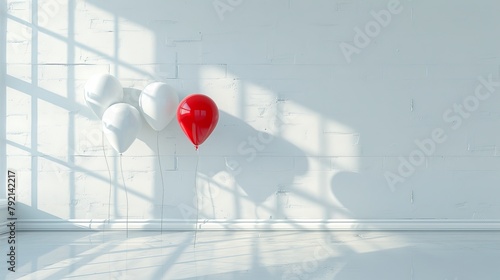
(102, 91)
(158, 103)
(121, 123)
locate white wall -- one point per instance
(317, 121)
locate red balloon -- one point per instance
(197, 115)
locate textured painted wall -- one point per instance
(329, 110)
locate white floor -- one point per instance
(255, 255)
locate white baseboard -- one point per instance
(243, 225)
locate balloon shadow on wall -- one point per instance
(260, 163)
(367, 196)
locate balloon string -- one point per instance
(162, 182)
(196, 194)
(109, 176)
(126, 191)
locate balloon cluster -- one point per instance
(197, 114)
